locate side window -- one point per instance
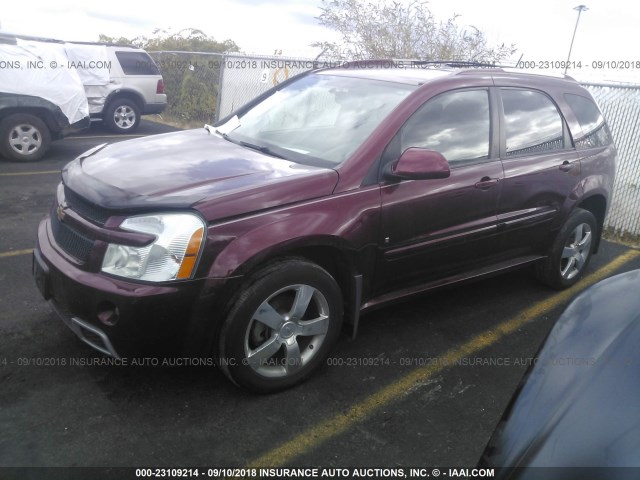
(456, 124)
(532, 122)
(137, 63)
(595, 132)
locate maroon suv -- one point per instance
(336, 192)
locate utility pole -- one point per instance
(580, 9)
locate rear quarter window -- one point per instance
(137, 63)
(595, 132)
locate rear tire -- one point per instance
(24, 138)
(571, 251)
(122, 116)
(281, 326)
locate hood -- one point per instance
(578, 405)
(192, 168)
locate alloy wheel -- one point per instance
(576, 251)
(286, 331)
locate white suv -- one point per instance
(40, 100)
(122, 83)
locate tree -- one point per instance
(401, 31)
(187, 39)
(136, 42)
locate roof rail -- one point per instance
(11, 38)
(453, 64)
(384, 62)
(505, 68)
(392, 62)
(459, 63)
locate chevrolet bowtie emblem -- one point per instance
(60, 213)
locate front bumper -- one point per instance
(117, 317)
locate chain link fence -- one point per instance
(621, 107)
(204, 87)
(244, 78)
(192, 83)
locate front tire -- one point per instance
(571, 251)
(122, 116)
(281, 326)
(24, 138)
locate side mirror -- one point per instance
(419, 164)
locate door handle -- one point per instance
(486, 183)
(566, 166)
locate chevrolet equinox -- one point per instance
(340, 190)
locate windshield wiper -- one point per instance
(259, 148)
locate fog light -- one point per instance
(108, 313)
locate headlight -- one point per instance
(172, 255)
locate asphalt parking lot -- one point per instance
(423, 385)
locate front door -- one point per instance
(437, 228)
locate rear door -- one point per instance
(436, 228)
(541, 170)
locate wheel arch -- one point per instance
(328, 252)
(52, 121)
(125, 94)
(597, 205)
(347, 265)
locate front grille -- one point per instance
(86, 209)
(74, 243)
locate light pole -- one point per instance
(580, 9)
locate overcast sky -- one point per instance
(541, 30)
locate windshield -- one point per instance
(320, 119)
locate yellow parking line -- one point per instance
(17, 174)
(334, 426)
(15, 253)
